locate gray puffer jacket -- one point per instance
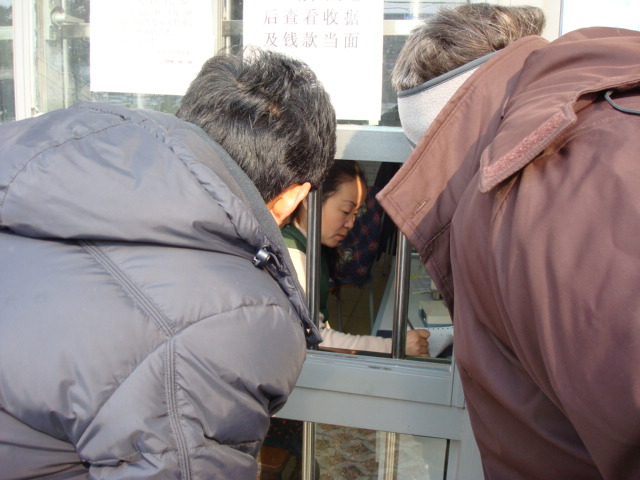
(139, 338)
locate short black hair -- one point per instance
(270, 113)
(341, 172)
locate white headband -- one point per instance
(419, 106)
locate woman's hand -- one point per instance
(417, 343)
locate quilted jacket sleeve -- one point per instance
(191, 410)
(166, 372)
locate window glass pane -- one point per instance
(62, 64)
(62, 53)
(351, 306)
(361, 281)
(354, 453)
(7, 99)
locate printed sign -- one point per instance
(341, 40)
(150, 46)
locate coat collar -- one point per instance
(418, 107)
(422, 197)
(512, 109)
(572, 72)
(509, 111)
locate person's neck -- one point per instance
(299, 225)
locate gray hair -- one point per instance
(456, 36)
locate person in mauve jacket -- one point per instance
(150, 317)
(522, 197)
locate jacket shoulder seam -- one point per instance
(142, 301)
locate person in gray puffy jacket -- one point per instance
(150, 318)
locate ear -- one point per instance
(284, 204)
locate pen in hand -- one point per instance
(417, 343)
(423, 316)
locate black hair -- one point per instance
(340, 172)
(270, 113)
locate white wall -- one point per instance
(591, 13)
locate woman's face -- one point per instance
(339, 212)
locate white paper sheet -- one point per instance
(440, 338)
(340, 39)
(149, 46)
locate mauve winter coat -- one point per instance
(137, 337)
(523, 200)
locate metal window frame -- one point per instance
(23, 54)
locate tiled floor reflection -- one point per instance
(354, 453)
(346, 453)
